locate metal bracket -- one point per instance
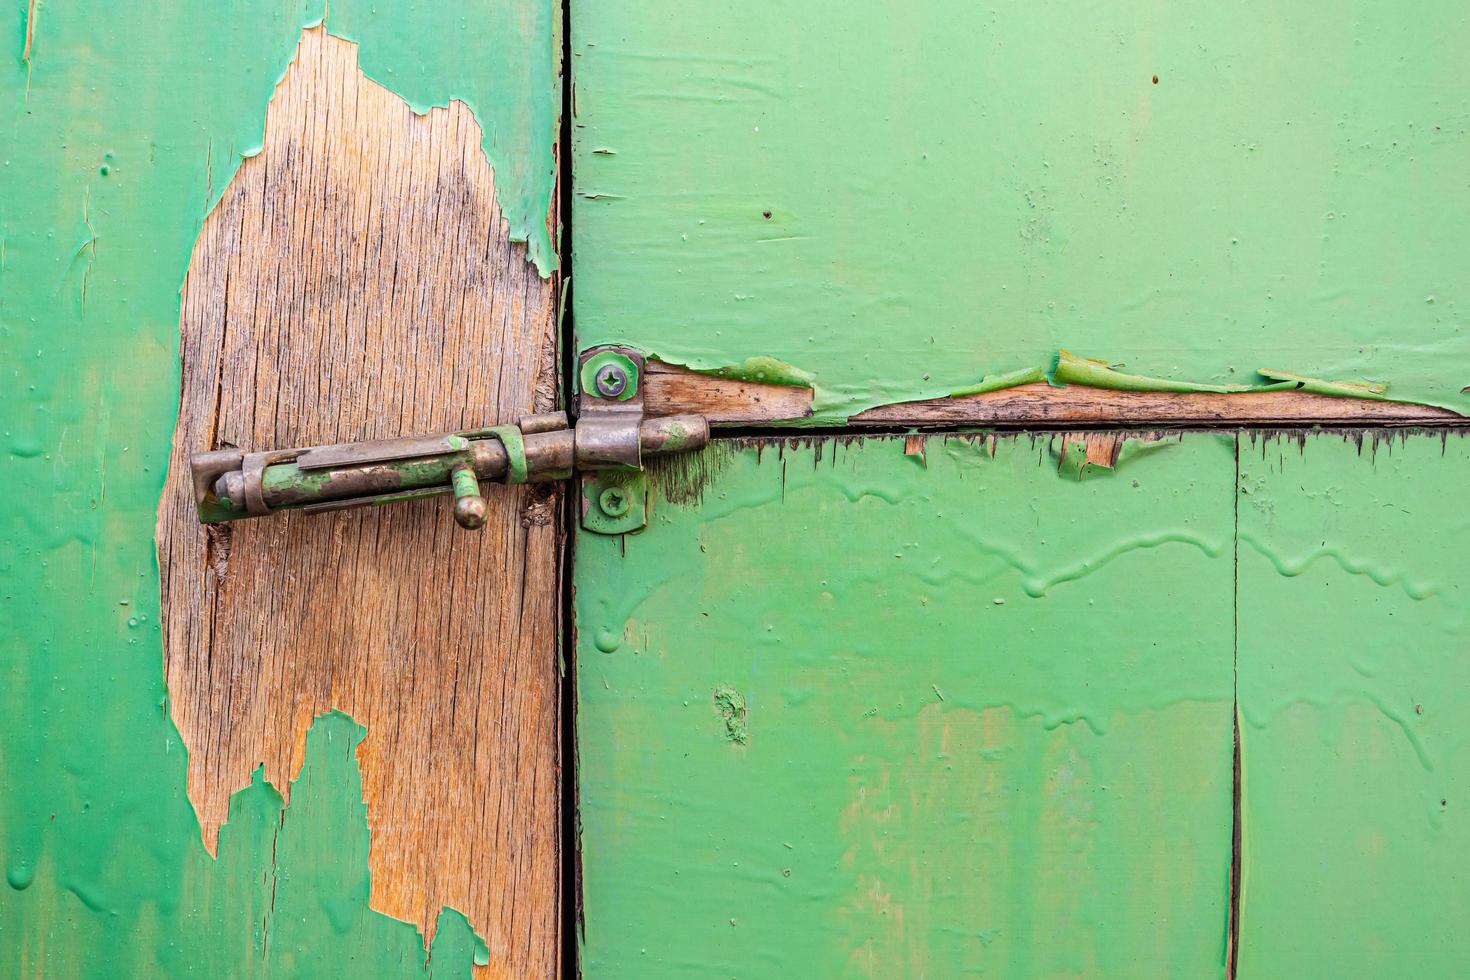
(609, 417)
(614, 502)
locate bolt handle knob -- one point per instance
(470, 507)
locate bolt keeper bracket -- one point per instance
(609, 412)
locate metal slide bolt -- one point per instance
(608, 445)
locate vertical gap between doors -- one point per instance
(571, 838)
(1232, 948)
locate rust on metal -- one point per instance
(610, 434)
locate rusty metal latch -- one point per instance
(608, 445)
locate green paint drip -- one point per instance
(118, 133)
(892, 211)
(1013, 720)
(1072, 779)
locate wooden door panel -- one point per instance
(911, 707)
(357, 281)
(1354, 688)
(330, 746)
(900, 200)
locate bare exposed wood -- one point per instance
(1102, 447)
(357, 281)
(676, 389)
(667, 386)
(1044, 404)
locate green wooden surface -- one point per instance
(1354, 695)
(120, 126)
(857, 713)
(924, 782)
(901, 199)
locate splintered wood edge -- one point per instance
(670, 389)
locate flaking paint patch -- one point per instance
(286, 895)
(734, 712)
(1076, 459)
(495, 56)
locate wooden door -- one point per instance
(304, 747)
(1073, 589)
(1158, 676)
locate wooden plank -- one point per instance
(357, 281)
(914, 706)
(893, 213)
(1354, 687)
(672, 389)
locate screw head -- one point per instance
(611, 381)
(614, 501)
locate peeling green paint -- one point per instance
(119, 130)
(1065, 369)
(134, 894)
(901, 200)
(1094, 373)
(1071, 369)
(1342, 389)
(763, 370)
(999, 382)
(1063, 807)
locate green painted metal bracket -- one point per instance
(615, 502)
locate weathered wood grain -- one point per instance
(672, 389)
(357, 281)
(1044, 404)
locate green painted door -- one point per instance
(255, 751)
(847, 710)
(848, 707)
(950, 704)
(906, 674)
